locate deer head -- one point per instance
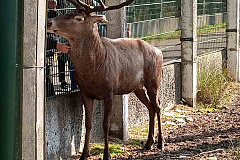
(71, 24)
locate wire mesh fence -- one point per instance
(157, 22)
(211, 26)
(146, 18)
(60, 78)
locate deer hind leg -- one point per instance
(106, 125)
(140, 93)
(88, 105)
(152, 91)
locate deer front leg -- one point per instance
(106, 126)
(88, 105)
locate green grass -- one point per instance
(177, 34)
(140, 132)
(136, 142)
(115, 149)
(204, 108)
(212, 83)
(164, 36)
(210, 28)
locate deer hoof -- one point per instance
(84, 156)
(106, 157)
(148, 145)
(160, 146)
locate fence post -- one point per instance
(33, 98)
(116, 28)
(233, 40)
(189, 51)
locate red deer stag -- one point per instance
(107, 67)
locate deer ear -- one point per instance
(100, 19)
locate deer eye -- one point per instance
(78, 18)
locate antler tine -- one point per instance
(75, 3)
(81, 5)
(107, 8)
(89, 9)
(120, 5)
(84, 5)
(102, 4)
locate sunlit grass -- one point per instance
(177, 34)
(164, 36)
(115, 149)
(212, 83)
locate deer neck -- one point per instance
(88, 52)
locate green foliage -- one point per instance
(211, 85)
(177, 34)
(164, 36)
(210, 28)
(136, 142)
(98, 149)
(140, 131)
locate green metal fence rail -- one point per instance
(10, 86)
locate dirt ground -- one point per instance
(208, 134)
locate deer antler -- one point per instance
(102, 4)
(89, 9)
(75, 3)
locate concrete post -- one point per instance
(233, 66)
(40, 82)
(189, 51)
(116, 28)
(33, 105)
